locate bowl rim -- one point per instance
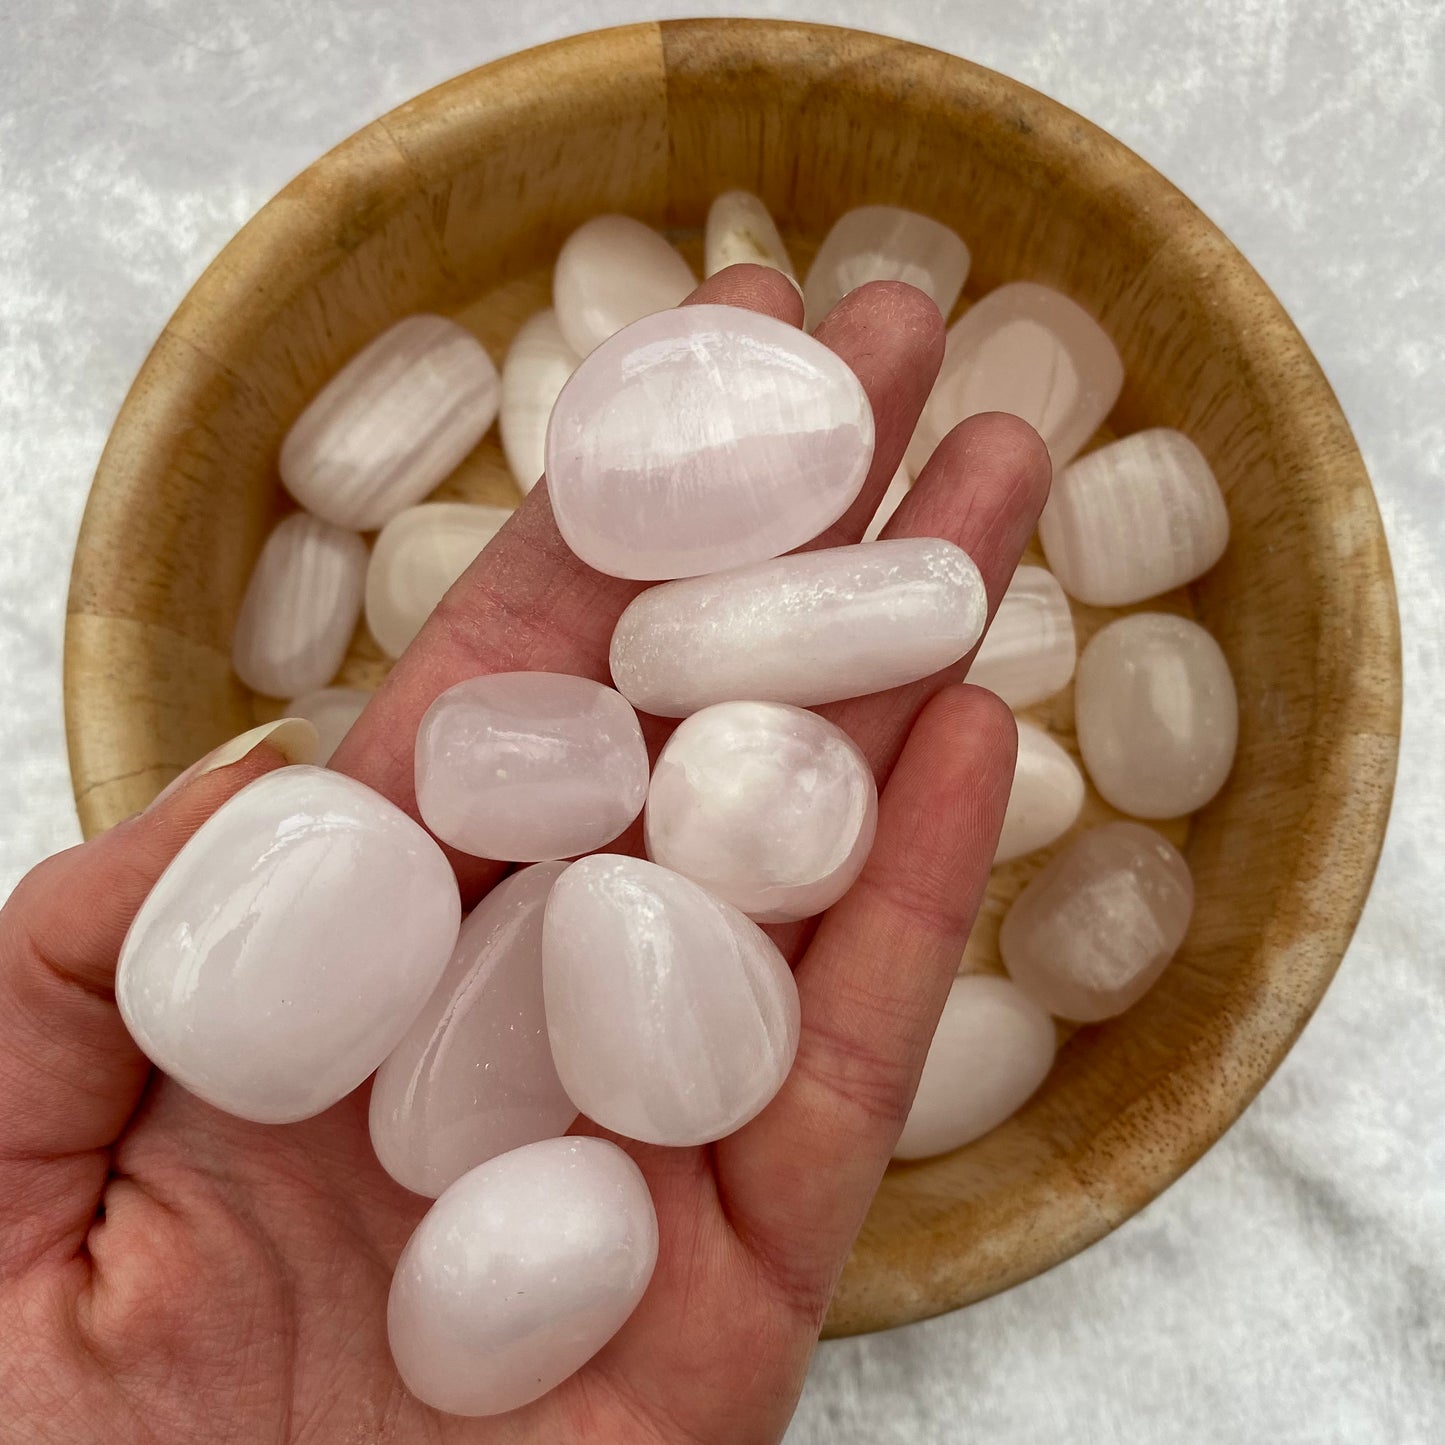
(1348, 808)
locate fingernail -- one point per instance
(295, 738)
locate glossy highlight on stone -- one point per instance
(885, 243)
(992, 1049)
(612, 271)
(704, 438)
(288, 946)
(391, 424)
(519, 1274)
(417, 557)
(1029, 350)
(529, 766)
(474, 1077)
(1136, 518)
(1156, 714)
(740, 232)
(331, 711)
(768, 807)
(673, 1017)
(1029, 651)
(300, 608)
(1098, 924)
(538, 363)
(1046, 797)
(833, 623)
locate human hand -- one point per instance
(169, 1273)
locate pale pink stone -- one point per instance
(391, 423)
(885, 243)
(992, 1049)
(538, 363)
(1029, 651)
(612, 271)
(740, 231)
(704, 438)
(417, 557)
(1156, 714)
(1029, 350)
(529, 766)
(519, 1274)
(673, 1017)
(474, 1076)
(289, 945)
(1134, 519)
(833, 623)
(892, 500)
(767, 806)
(331, 711)
(1046, 797)
(300, 607)
(1099, 923)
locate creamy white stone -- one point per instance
(1029, 651)
(331, 711)
(538, 363)
(740, 231)
(1047, 794)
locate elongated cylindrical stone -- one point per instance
(1134, 519)
(704, 438)
(769, 807)
(331, 711)
(740, 231)
(473, 1077)
(673, 1017)
(393, 422)
(885, 243)
(1047, 795)
(1099, 922)
(300, 607)
(1029, 651)
(824, 625)
(289, 945)
(538, 363)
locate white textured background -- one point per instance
(1292, 1287)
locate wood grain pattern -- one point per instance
(458, 202)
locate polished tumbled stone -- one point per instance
(1156, 714)
(538, 363)
(288, 946)
(1029, 651)
(519, 1274)
(740, 231)
(704, 438)
(300, 608)
(992, 1049)
(834, 623)
(1135, 518)
(1046, 797)
(1098, 924)
(767, 806)
(331, 711)
(474, 1077)
(673, 1017)
(391, 423)
(528, 766)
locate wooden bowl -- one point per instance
(459, 200)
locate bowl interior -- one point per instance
(459, 200)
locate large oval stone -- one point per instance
(289, 945)
(704, 438)
(673, 1017)
(519, 1274)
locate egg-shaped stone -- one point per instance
(1029, 350)
(331, 711)
(1156, 714)
(288, 946)
(769, 807)
(612, 271)
(417, 557)
(473, 1077)
(300, 607)
(1046, 797)
(992, 1049)
(741, 231)
(885, 243)
(529, 766)
(1136, 518)
(704, 438)
(832, 623)
(1098, 924)
(538, 363)
(673, 1017)
(391, 424)
(519, 1274)
(1029, 651)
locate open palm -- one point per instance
(173, 1274)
